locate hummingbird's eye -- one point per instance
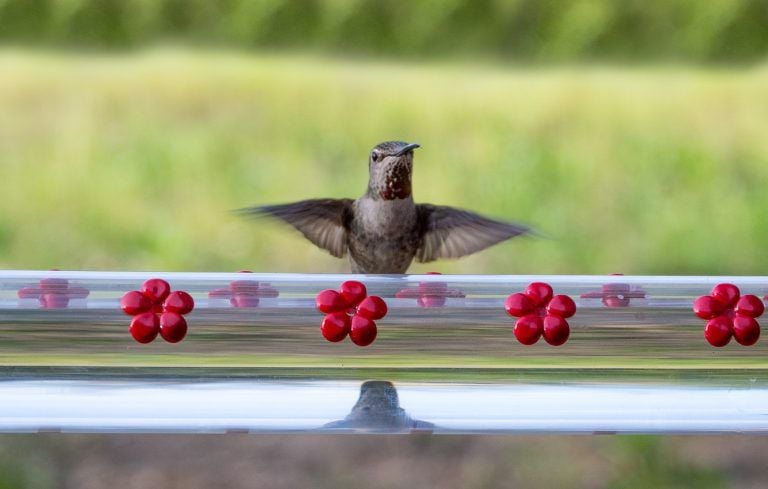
(374, 156)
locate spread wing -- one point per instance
(451, 233)
(325, 222)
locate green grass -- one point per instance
(450, 365)
(135, 161)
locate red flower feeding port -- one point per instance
(729, 314)
(430, 294)
(615, 294)
(540, 313)
(350, 311)
(53, 293)
(266, 369)
(155, 309)
(245, 293)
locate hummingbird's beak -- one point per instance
(407, 148)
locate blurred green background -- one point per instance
(723, 31)
(633, 134)
(121, 151)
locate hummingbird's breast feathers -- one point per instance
(385, 218)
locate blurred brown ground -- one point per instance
(245, 461)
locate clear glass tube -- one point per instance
(636, 359)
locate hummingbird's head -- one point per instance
(389, 170)
(377, 397)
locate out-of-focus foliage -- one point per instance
(523, 30)
(136, 161)
(239, 461)
(25, 465)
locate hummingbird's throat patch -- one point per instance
(397, 184)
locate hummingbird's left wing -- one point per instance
(451, 233)
(325, 222)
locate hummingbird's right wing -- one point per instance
(325, 222)
(451, 233)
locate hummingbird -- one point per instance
(378, 410)
(384, 230)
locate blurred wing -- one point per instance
(324, 222)
(451, 233)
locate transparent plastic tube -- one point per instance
(445, 359)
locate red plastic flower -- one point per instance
(430, 294)
(350, 311)
(540, 313)
(53, 293)
(729, 314)
(245, 293)
(157, 310)
(616, 294)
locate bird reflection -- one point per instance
(378, 409)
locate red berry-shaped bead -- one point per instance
(528, 329)
(728, 294)
(556, 330)
(173, 327)
(718, 331)
(707, 307)
(335, 326)
(561, 305)
(363, 331)
(156, 289)
(372, 307)
(746, 331)
(179, 302)
(144, 327)
(539, 292)
(134, 302)
(519, 305)
(353, 292)
(750, 305)
(330, 301)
